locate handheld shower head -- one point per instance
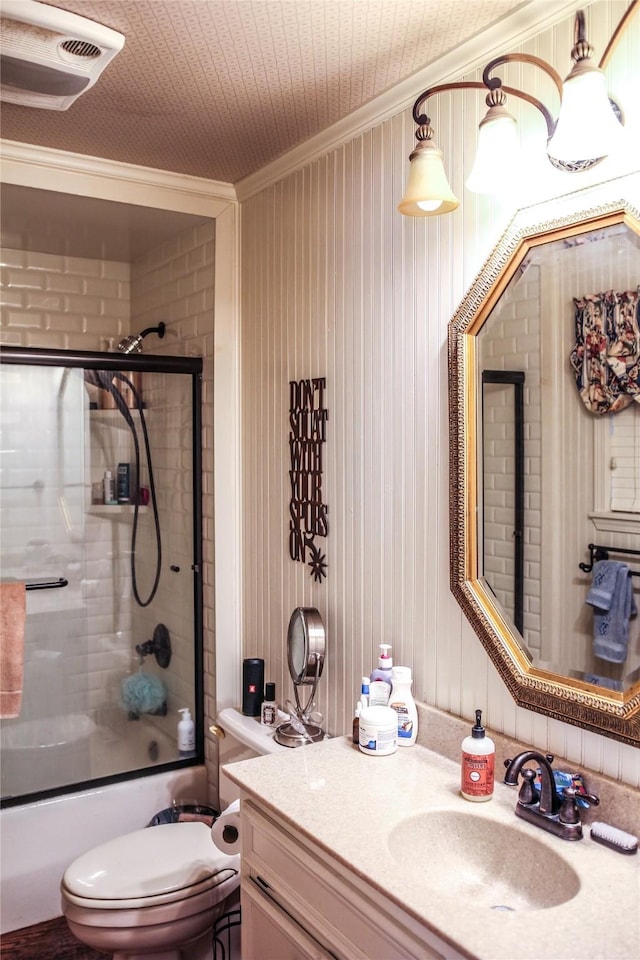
(133, 343)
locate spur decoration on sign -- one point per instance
(307, 433)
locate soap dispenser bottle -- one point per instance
(186, 735)
(385, 664)
(478, 762)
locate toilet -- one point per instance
(156, 893)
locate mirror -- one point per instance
(545, 455)
(305, 655)
(305, 646)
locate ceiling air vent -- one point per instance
(49, 57)
(80, 48)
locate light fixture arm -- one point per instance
(494, 83)
(617, 33)
(582, 50)
(587, 125)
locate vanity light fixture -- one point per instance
(588, 127)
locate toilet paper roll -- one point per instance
(225, 832)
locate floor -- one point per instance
(54, 941)
(45, 941)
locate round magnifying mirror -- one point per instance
(305, 645)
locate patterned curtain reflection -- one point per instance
(606, 355)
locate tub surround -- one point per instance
(345, 805)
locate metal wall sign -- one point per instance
(307, 434)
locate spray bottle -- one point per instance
(186, 734)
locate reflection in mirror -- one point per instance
(502, 533)
(555, 316)
(533, 327)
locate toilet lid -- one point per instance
(148, 863)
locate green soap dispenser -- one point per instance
(478, 763)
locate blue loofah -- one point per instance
(142, 693)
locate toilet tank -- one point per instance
(244, 738)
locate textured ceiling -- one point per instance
(219, 88)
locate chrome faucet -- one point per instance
(557, 814)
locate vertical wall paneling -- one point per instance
(335, 282)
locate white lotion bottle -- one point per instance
(109, 489)
(478, 763)
(404, 705)
(186, 734)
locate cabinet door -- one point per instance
(269, 933)
(317, 894)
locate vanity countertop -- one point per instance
(348, 803)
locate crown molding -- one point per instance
(529, 19)
(24, 164)
(47, 168)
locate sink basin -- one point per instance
(483, 863)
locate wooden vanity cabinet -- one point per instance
(301, 903)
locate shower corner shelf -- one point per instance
(119, 511)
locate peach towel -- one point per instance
(13, 611)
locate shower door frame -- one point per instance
(144, 363)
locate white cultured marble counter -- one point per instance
(348, 803)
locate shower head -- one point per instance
(133, 343)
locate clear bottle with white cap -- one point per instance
(109, 490)
(186, 734)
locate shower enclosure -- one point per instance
(112, 645)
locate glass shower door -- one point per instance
(43, 544)
(113, 635)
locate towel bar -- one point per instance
(597, 552)
(47, 584)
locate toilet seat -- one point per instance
(150, 867)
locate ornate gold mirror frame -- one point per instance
(612, 713)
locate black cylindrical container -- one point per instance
(123, 483)
(252, 686)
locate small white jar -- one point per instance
(378, 734)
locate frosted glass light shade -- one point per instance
(497, 156)
(587, 127)
(428, 193)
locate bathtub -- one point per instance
(39, 840)
(50, 750)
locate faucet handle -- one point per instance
(528, 793)
(568, 812)
(590, 798)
